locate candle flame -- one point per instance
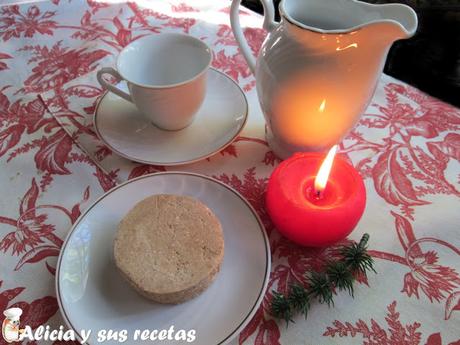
(322, 106)
(324, 170)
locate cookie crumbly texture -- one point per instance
(169, 248)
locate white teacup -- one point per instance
(166, 77)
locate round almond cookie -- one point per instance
(169, 247)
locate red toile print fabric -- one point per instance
(406, 147)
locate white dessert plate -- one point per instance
(93, 296)
(218, 122)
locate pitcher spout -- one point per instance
(345, 16)
(400, 19)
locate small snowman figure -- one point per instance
(10, 326)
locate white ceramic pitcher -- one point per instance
(318, 68)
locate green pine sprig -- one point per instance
(341, 276)
(281, 308)
(338, 275)
(299, 299)
(320, 287)
(356, 257)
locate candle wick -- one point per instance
(318, 194)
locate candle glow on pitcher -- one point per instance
(322, 106)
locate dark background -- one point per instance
(431, 59)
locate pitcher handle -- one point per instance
(269, 24)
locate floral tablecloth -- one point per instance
(406, 146)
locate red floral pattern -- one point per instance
(404, 172)
(406, 146)
(3, 65)
(35, 313)
(56, 66)
(14, 23)
(183, 7)
(437, 282)
(34, 238)
(374, 334)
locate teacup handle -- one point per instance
(269, 24)
(113, 72)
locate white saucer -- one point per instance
(220, 119)
(93, 296)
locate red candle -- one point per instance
(308, 206)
